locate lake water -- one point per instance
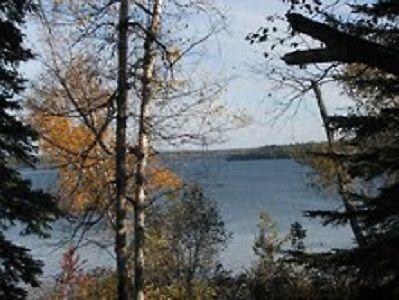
(242, 189)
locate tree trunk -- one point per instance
(340, 47)
(192, 268)
(342, 185)
(121, 102)
(143, 148)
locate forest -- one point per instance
(112, 95)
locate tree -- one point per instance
(368, 132)
(19, 205)
(267, 243)
(121, 151)
(167, 103)
(340, 171)
(197, 236)
(186, 235)
(341, 46)
(292, 89)
(143, 144)
(71, 110)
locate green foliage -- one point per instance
(189, 230)
(33, 211)
(367, 135)
(271, 277)
(185, 236)
(275, 275)
(324, 165)
(267, 242)
(269, 152)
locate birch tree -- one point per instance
(143, 146)
(151, 91)
(70, 110)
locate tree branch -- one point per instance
(340, 46)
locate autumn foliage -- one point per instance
(74, 115)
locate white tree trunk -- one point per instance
(144, 147)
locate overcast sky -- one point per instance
(248, 91)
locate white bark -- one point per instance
(143, 148)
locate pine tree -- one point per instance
(363, 48)
(19, 205)
(371, 132)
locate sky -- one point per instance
(234, 56)
(250, 91)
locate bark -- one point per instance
(340, 47)
(342, 184)
(143, 148)
(192, 268)
(121, 178)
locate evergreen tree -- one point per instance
(19, 205)
(366, 39)
(371, 132)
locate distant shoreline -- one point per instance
(259, 153)
(264, 152)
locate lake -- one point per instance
(242, 189)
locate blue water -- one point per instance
(242, 189)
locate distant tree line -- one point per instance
(271, 152)
(355, 45)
